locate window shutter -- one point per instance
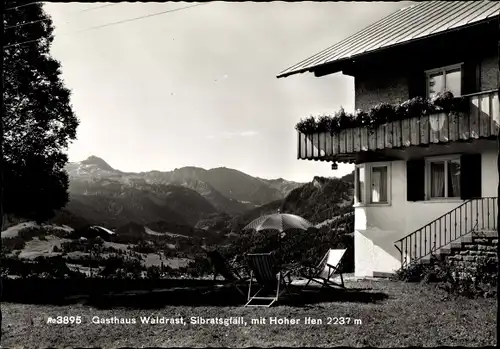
(356, 185)
(415, 180)
(470, 176)
(470, 77)
(417, 85)
(356, 188)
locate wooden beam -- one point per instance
(329, 68)
(373, 156)
(350, 69)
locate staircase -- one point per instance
(478, 243)
(467, 230)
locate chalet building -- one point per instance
(426, 170)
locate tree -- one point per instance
(38, 120)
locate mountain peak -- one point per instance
(319, 181)
(97, 161)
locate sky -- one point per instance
(198, 86)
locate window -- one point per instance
(443, 178)
(376, 175)
(445, 79)
(379, 184)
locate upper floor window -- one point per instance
(445, 79)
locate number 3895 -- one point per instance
(65, 320)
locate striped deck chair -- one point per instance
(327, 269)
(230, 274)
(269, 278)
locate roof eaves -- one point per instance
(312, 69)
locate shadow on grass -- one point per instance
(226, 296)
(179, 293)
(335, 295)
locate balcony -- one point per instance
(348, 145)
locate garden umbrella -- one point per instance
(280, 222)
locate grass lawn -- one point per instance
(392, 314)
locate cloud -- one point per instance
(234, 134)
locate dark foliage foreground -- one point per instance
(38, 120)
(298, 249)
(471, 280)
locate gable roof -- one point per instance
(405, 25)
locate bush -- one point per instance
(415, 272)
(118, 267)
(471, 280)
(42, 267)
(32, 232)
(143, 247)
(13, 243)
(153, 272)
(298, 248)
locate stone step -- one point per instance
(443, 251)
(485, 234)
(426, 260)
(467, 239)
(460, 244)
(381, 274)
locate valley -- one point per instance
(163, 222)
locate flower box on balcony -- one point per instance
(482, 121)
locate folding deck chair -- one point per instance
(324, 272)
(269, 278)
(230, 274)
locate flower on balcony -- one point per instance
(325, 123)
(363, 117)
(448, 103)
(415, 107)
(307, 125)
(443, 100)
(345, 120)
(383, 113)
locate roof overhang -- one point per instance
(320, 69)
(336, 65)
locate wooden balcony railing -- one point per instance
(481, 122)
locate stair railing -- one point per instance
(472, 215)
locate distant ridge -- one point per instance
(104, 195)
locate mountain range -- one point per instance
(322, 201)
(106, 196)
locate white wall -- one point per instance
(377, 228)
(489, 173)
(363, 254)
